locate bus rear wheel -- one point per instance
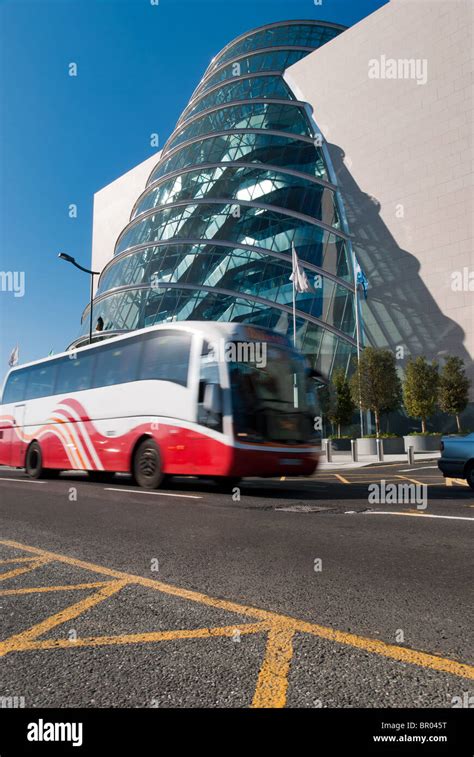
(34, 461)
(147, 468)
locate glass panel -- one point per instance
(268, 149)
(269, 61)
(308, 35)
(243, 89)
(239, 223)
(253, 115)
(167, 304)
(245, 183)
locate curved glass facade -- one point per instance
(240, 180)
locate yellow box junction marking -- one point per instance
(272, 681)
(452, 481)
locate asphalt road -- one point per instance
(300, 593)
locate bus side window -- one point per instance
(15, 387)
(117, 364)
(75, 373)
(41, 380)
(166, 357)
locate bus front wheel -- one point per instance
(147, 468)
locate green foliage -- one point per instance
(375, 383)
(381, 436)
(424, 433)
(342, 406)
(453, 388)
(420, 389)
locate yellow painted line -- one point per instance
(44, 589)
(341, 478)
(460, 481)
(32, 565)
(375, 646)
(152, 583)
(272, 680)
(13, 560)
(17, 643)
(142, 638)
(401, 654)
(413, 480)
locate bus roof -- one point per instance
(211, 329)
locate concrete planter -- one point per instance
(423, 443)
(366, 446)
(341, 445)
(393, 446)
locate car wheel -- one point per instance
(147, 468)
(34, 461)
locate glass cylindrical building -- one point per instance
(243, 176)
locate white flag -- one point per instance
(13, 359)
(298, 277)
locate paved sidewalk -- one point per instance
(343, 460)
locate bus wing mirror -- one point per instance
(212, 399)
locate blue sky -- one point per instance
(63, 138)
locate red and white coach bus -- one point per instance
(219, 400)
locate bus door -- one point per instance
(209, 413)
(17, 445)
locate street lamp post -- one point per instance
(70, 259)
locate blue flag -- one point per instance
(360, 277)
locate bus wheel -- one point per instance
(34, 461)
(146, 468)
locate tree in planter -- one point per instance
(454, 388)
(343, 406)
(375, 383)
(420, 389)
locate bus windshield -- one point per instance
(274, 400)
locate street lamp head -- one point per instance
(65, 256)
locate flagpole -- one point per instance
(356, 295)
(293, 281)
(294, 315)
